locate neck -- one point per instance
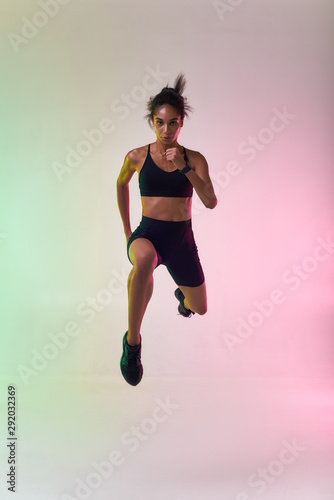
(161, 148)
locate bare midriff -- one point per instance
(166, 208)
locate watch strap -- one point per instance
(186, 169)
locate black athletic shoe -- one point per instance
(131, 367)
(187, 313)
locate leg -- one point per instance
(195, 298)
(140, 285)
(186, 270)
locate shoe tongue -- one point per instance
(134, 347)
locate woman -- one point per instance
(167, 176)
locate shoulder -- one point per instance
(196, 158)
(136, 156)
(133, 162)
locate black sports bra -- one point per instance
(153, 181)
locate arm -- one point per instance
(198, 176)
(126, 173)
(200, 179)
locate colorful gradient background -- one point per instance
(62, 245)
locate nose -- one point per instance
(166, 127)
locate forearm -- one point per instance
(203, 189)
(124, 207)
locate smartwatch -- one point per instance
(186, 169)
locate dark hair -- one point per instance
(171, 96)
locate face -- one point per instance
(167, 124)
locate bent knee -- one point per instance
(145, 262)
(202, 309)
(199, 308)
(143, 256)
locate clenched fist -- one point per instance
(174, 155)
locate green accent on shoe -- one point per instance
(131, 367)
(187, 313)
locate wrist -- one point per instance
(186, 168)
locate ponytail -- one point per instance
(180, 83)
(171, 96)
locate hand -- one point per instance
(127, 236)
(173, 155)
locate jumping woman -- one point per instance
(168, 173)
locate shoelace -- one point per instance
(133, 355)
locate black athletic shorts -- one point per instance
(175, 246)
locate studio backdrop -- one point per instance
(236, 404)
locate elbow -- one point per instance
(120, 185)
(209, 197)
(211, 203)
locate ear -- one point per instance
(181, 123)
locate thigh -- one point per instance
(148, 241)
(141, 252)
(185, 266)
